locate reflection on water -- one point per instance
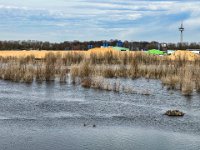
(44, 113)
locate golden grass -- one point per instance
(184, 55)
(35, 53)
(42, 53)
(100, 52)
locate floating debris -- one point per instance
(175, 113)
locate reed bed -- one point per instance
(178, 74)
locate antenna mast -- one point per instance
(181, 29)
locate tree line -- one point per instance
(78, 45)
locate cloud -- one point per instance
(59, 20)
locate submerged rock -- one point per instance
(175, 113)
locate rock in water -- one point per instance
(175, 113)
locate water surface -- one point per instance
(51, 116)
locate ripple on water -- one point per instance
(55, 101)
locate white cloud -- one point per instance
(97, 19)
(192, 23)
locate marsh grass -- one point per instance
(187, 87)
(63, 75)
(179, 74)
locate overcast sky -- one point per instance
(133, 20)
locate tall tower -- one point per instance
(181, 29)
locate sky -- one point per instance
(85, 20)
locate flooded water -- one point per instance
(52, 116)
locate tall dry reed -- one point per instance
(176, 74)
